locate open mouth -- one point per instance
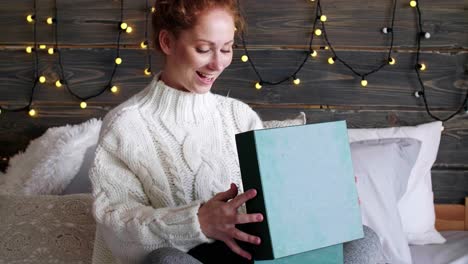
(206, 77)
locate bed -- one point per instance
(452, 222)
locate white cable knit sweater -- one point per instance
(160, 155)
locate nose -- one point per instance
(216, 62)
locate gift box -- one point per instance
(305, 188)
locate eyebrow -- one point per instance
(212, 43)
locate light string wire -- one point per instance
(36, 68)
(463, 105)
(62, 71)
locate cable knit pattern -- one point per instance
(160, 155)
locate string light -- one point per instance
(30, 18)
(418, 94)
(42, 79)
(258, 86)
(51, 51)
(413, 3)
(363, 82)
(153, 9)
(331, 60)
(83, 105)
(296, 81)
(391, 61)
(129, 30)
(32, 112)
(421, 66)
(58, 83)
(323, 18)
(144, 44)
(118, 60)
(318, 32)
(386, 30)
(313, 53)
(29, 49)
(123, 25)
(43, 46)
(426, 35)
(114, 89)
(147, 71)
(244, 58)
(50, 20)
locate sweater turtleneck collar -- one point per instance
(179, 106)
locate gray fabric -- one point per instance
(366, 250)
(169, 255)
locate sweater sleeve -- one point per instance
(132, 225)
(246, 119)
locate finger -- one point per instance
(227, 195)
(242, 198)
(236, 249)
(242, 236)
(248, 218)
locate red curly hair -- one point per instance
(178, 15)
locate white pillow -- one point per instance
(51, 161)
(382, 168)
(416, 207)
(296, 121)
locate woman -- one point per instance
(166, 176)
(166, 172)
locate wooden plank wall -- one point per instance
(278, 34)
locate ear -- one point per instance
(166, 41)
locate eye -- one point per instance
(226, 51)
(202, 50)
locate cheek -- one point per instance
(227, 60)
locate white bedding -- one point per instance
(454, 251)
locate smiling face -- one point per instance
(197, 56)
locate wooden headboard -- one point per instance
(452, 216)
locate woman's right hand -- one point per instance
(219, 215)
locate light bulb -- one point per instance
(391, 61)
(153, 9)
(30, 18)
(296, 81)
(318, 32)
(147, 71)
(42, 79)
(43, 46)
(244, 58)
(58, 83)
(258, 86)
(364, 82)
(118, 60)
(426, 35)
(114, 89)
(51, 51)
(422, 66)
(386, 30)
(144, 44)
(413, 3)
(123, 26)
(331, 60)
(50, 20)
(129, 30)
(314, 53)
(83, 105)
(323, 18)
(418, 94)
(29, 49)
(32, 112)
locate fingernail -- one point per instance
(260, 217)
